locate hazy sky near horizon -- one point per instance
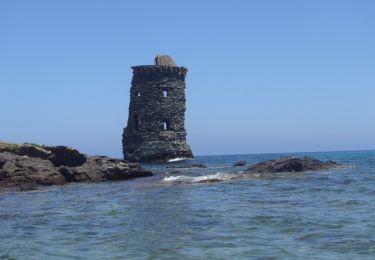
(264, 76)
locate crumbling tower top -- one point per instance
(164, 60)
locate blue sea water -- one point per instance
(212, 213)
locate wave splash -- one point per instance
(199, 179)
(178, 159)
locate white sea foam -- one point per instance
(204, 178)
(177, 159)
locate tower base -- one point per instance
(155, 151)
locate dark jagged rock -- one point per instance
(191, 165)
(156, 124)
(24, 172)
(292, 164)
(58, 155)
(101, 168)
(34, 151)
(239, 164)
(66, 156)
(24, 168)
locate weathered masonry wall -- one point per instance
(155, 129)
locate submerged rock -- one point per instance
(292, 164)
(239, 164)
(173, 172)
(25, 167)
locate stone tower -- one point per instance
(156, 123)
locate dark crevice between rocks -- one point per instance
(68, 176)
(2, 164)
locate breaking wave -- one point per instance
(204, 178)
(177, 159)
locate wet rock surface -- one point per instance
(25, 167)
(292, 164)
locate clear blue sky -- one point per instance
(264, 76)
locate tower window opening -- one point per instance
(165, 93)
(165, 126)
(138, 94)
(137, 122)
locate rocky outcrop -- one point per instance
(31, 150)
(25, 167)
(25, 173)
(66, 156)
(101, 168)
(239, 164)
(292, 164)
(58, 155)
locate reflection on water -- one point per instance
(200, 213)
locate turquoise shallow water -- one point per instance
(322, 215)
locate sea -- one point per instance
(218, 212)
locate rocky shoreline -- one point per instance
(27, 166)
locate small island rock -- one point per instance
(239, 164)
(292, 164)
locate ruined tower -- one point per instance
(156, 123)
